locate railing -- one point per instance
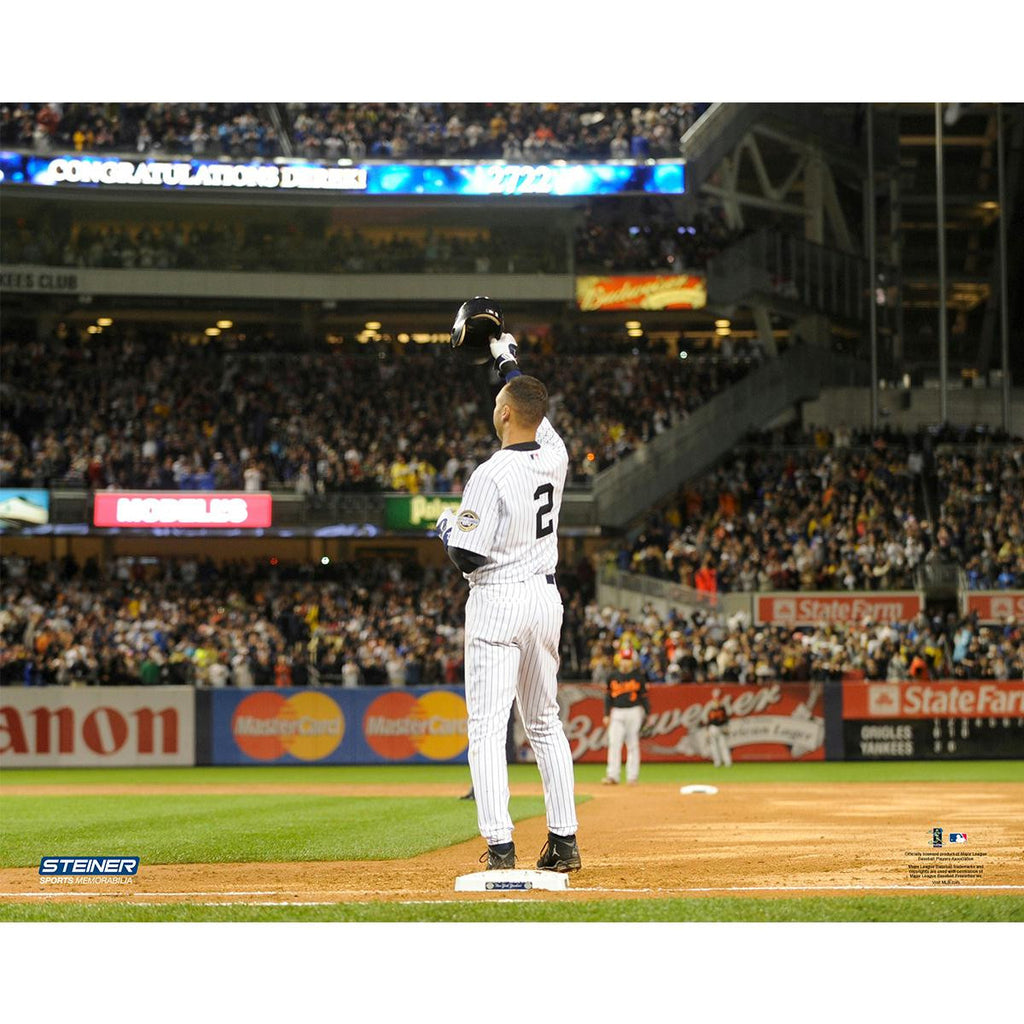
(774, 264)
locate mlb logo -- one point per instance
(958, 837)
(883, 700)
(785, 609)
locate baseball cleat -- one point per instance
(499, 859)
(609, 781)
(560, 853)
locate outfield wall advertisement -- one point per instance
(927, 721)
(123, 726)
(773, 722)
(335, 725)
(824, 608)
(995, 606)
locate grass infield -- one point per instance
(867, 908)
(202, 827)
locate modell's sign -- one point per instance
(651, 291)
(996, 605)
(250, 510)
(826, 608)
(772, 722)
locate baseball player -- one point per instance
(625, 708)
(504, 539)
(718, 728)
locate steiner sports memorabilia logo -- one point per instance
(80, 870)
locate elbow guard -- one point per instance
(465, 561)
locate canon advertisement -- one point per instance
(149, 509)
(68, 726)
(771, 722)
(933, 720)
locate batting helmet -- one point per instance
(477, 322)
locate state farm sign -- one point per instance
(996, 605)
(826, 608)
(250, 510)
(967, 699)
(60, 726)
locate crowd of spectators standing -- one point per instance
(707, 647)
(243, 130)
(515, 132)
(847, 511)
(163, 413)
(385, 623)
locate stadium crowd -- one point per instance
(252, 247)
(847, 513)
(706, 647)
(377, 623)
(612, 238)
(515, 132)
(162, 413)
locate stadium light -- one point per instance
(104, 321)
(212, 332)
(225, 324)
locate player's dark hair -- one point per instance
(529, 398)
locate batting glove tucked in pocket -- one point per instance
(444, 524)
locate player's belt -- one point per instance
(550, 578)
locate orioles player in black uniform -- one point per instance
(625, 708)
(718, 724)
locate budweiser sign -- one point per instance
(653, 291)
(251, 510)
(996, 605)
(771, 722)
(968, 699)
(819, 609)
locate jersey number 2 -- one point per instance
(548, 491)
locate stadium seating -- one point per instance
(382, 623)
(839, 516)
(160, 412)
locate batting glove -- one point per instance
(504, 350)
(444, 524)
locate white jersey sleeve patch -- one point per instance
(477, 518)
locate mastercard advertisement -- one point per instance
(421, 725)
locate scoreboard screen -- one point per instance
(933, 721)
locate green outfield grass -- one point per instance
(457, 776)
(284, 826)
(867, 908)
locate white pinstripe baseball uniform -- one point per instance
(509, 516)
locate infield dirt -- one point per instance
(645, 842)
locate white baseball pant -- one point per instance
(719, 744)
(624, 725)
(512, 634)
